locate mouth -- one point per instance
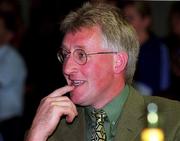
(77, 83)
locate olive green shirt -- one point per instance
(113, 112)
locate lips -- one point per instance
(77, 83)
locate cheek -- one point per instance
(100, 73)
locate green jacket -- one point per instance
(131, 122)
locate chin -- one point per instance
(77, 98)
(76, 101)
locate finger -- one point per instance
(61, 91)
(63, 101)
(70, 117)
(69, 111)
(49, 99)
(69, 104)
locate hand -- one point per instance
(49, 112)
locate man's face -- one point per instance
(135, 19)
(94, 79)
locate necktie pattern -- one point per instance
(99, 130)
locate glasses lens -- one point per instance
(80, 56)
(62, 55)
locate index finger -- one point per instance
(61, 91)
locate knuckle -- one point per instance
(66, 98)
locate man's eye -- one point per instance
(81, 55)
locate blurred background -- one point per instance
(36, 38)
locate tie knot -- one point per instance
(100, 115)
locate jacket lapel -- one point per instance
(133, 118)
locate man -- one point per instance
(138, 14)
(12, 82)
(99, 53)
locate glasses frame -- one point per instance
(61, 58)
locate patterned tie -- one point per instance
(99, 130)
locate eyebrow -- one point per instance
(81, 47)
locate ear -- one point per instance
(120, 61)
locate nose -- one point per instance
(70, 66)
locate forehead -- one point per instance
(85, 37)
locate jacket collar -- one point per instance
(133, 117)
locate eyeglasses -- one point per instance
(79, 55)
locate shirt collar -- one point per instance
(114, 108)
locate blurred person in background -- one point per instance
(173, 44)
(12, 82)
(14, 7)
(152, 72)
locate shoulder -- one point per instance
(15, 59)
(169, 116)
(12, 51)
(166, 107)
(168, 112)
(164, 104)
